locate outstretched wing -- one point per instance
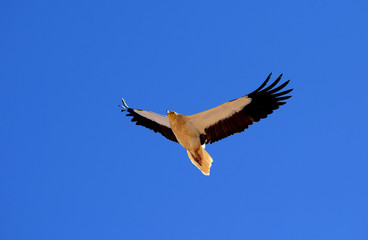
(151, 120)
(235, 116)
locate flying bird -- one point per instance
(194, 131)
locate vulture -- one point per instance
(194, 131)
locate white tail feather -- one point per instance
(204, 163)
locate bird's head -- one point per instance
(171, 114)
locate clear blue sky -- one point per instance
(74, 167)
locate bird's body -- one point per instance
(188, 136)
(194, 131)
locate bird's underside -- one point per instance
(193, 131)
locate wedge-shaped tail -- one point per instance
(204, 163)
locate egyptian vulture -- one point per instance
(194, 131)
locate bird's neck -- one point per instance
(172, 116)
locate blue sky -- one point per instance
(74, 167)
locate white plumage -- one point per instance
(194, 131)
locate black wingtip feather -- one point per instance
(282, 98)
(273, 84)
(264, 83)
(279, 87)
(282, 93)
